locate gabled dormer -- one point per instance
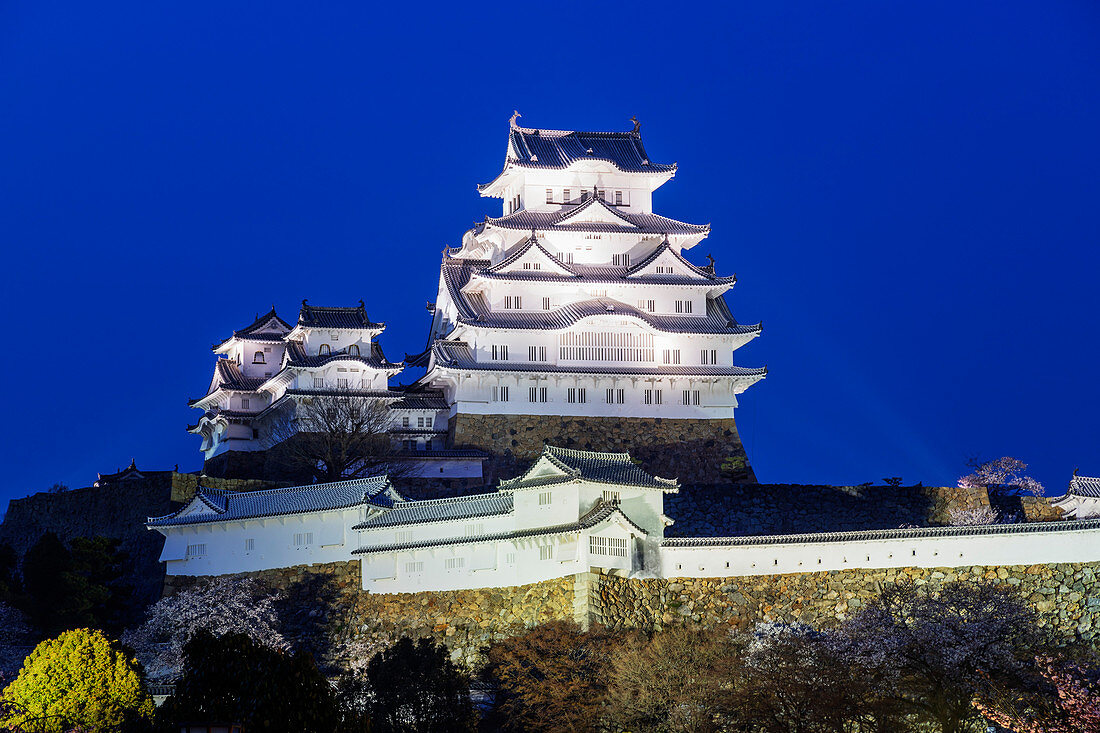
(597, 211)
(666, 262)
(268, 328)
(530, 257)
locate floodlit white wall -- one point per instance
(1010, 548)
(222, 548)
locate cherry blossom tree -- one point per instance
(223, 605)
(1066, 701)
(935, 648)
(965, 516)
(1003, 476)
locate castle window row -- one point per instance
(618, 197)
(612, 396)
(610, 347)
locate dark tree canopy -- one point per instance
(78, 586)
(408, 687)
(232, 679)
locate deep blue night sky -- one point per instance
(907, 191)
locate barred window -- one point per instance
(618, 198)
(500, 394)
(708, 356)
(454, 563)
(691, 397)
(500, 352)
(593, 346)
(303, 539)
(565, 195)
(198, 550)
(414, 567)
(546, 552)
(671, 356)
(549, 195)
(611, 546)
(615, 396)
(683, 306)
(546, 498)
(576, 395)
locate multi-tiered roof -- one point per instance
(578, 244)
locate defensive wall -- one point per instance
(712, 582)
(331, 607)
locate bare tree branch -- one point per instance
(334, 437)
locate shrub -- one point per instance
(81, 678)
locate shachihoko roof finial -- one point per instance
(362, 305)
(710, 261)
(303, 301)
(637, 125)
(515, 116)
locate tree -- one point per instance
(81, 678)
(960, 516)
(67, 589)
(674, 680)
(552, 677)
(233, 679)
(1065, 700)
(224, 605)
(795, 679)
(932, 648)
(1004, 477)
(410, 686)
(336, 437)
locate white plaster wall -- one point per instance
(924, 552)
(273, 539)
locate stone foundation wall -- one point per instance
(1064, 595)
(735, 510)
(328, 605)
(690, 450)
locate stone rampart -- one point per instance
(329, 605)
(326, 604)
(1063, 594)
(690, 450)
(737, 510)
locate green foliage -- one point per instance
(733, 466)
(410, 686)
(233, 679)
(81, 678)
(66, 589)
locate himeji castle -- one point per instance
(579, 302)
(574, 318)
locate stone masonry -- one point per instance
(330, 607)
(690, 450)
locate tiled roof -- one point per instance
(604, 468)
(885, 534)
(1084, 486)
(533, 148)
(458, 355)
(231, 505)
(441, 510)
(599, 513)
(314, 316)
(252, 331)
(714, 322)
(427, 400)
(597, 273)
(560, 221)
(228, 376)
(442, 454)
(296, 356)
(456, 273)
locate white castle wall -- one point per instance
(1022, 544)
